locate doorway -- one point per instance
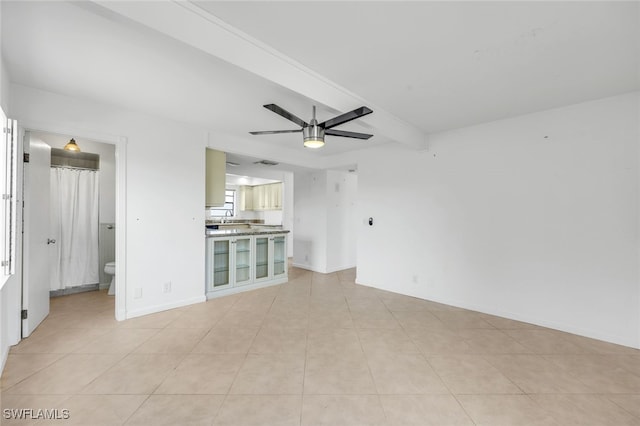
(82, 214)
(108, 184)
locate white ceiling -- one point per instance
(445, 65)
(434, 65)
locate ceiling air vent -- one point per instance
(266, 163)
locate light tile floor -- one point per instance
(318, 350)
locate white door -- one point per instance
(35, 282)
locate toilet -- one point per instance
(110, 269)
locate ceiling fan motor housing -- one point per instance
(313, 132)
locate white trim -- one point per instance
(243, 288)
(165, 307)
(340, 268)
(568, 328)
(305, 267)
(327, 271)
(120, 143)
(121, 229)
(3, 359)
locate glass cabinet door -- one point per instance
(221, 271)
(279, 255)
(262, 257)
(243, 260)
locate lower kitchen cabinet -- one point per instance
(244, 262)
(271, 257)
(279, 256)
(218, 263)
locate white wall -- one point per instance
(4, 84)
(324, 204)
(533, 218)
(342, 221)
(107, 180)
(310, 216)
(165, 193)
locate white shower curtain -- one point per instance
(74, 226)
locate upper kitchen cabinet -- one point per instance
(274, 194)
(267, 197)
(245, 195)
(215, 178)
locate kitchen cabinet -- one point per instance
(245, 195)
(244, 262)
(274, 193)
(263, 197)
(228, 262)
(215, 184)
(271, 258)
(279, 256)
(259, 200)
(218, 263)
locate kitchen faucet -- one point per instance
(227, 213)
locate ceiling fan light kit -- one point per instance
(313, 132)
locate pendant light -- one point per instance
(72, 146)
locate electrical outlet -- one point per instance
(137, 293)
(166, 287)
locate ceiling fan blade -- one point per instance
(347, 116)
(347, 134)
(274, 132)
(286, 114)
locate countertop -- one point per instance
(213, 233)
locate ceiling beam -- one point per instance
(196, 27)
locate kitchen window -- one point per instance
(229, 208)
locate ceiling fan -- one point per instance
(314, 132)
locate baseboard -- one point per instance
(164, 307)
(73, 290)
(327, 271)
(340, 268)
(304, 266)
(568, 328)
(5, 356)
(241, 289)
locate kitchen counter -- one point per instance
(212, 233)
(227, 221)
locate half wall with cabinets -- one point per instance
(243, 260)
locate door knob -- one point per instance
(51, 241)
